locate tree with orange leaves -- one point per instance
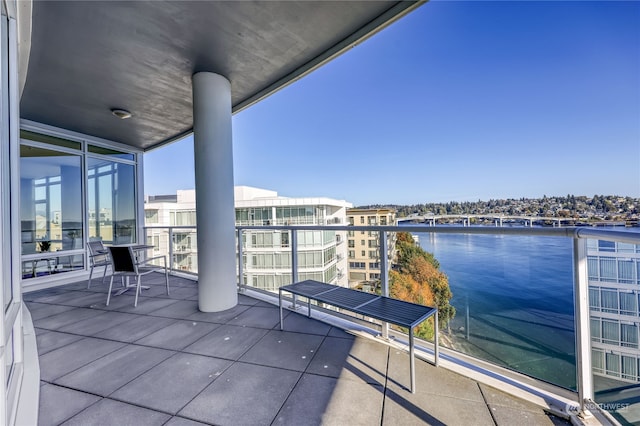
(417, 278)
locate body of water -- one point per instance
(514, 301)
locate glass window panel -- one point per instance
(609, 300)
(629, 335)
(613, 364)
(629, 367)
(151, 216)
(594, 298)
(608, 269)
(110, 152)
(595, 329)
(606, 245)
(597, 360)
(626, 271)
(592, 265)
(51, 140)
(626, 248)
(628, 304)
(111, 200)
(50, 200)
(610, 332)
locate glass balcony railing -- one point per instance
(559, 305)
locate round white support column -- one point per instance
(215, 212)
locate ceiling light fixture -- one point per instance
(121, 113)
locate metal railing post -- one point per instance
(294, 261)
(582, 326)
(170, 249)
(384, 275)
(240, 263)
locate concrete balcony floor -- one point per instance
(166, 363)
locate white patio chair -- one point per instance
(98, 256)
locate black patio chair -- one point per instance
(126, 265)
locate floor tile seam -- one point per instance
(386, 387)
(435, 393)
(57, 313)
(532, 409)
(280, 368)
(284, 403)
(194, 419)
(269, 366)
(214, 330)
(126, 308)
(173, 322)
(252, 326)
(277, 328)
(170, 297)
(126, 342)
(112, 397)
(187, 418)
(182, 318)
(69, 298)
(222, 323)
(51, 293)
(125, 384)
(141, 296)
(315, 353)
(84, 365)
(135, 343)
(100, 398)
(350, 337)
(297, 333)
(348, 379)
(486, 403)
(73, 389)
(177, 413)
(82, 335)
(46, 303)
(58, 330)
(186, 352)
(73, 321)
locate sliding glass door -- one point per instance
(72, 191)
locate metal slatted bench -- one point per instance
(386, 309)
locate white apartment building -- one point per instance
(322, 255)
(174, 211)
(614, 293)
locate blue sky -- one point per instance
(458, 101)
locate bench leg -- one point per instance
(412, 361)
(280, 305)
(308, 307)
